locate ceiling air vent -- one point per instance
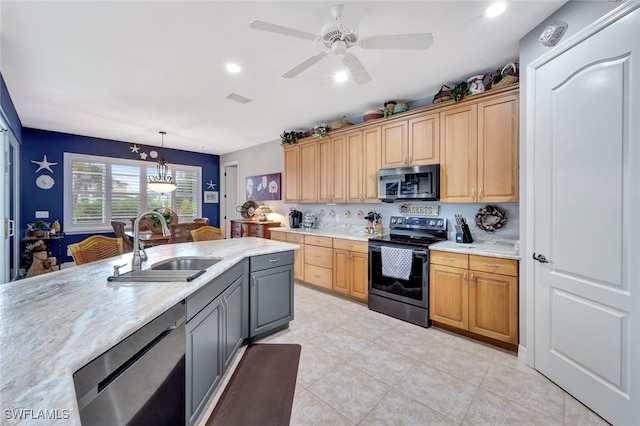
(238, 98)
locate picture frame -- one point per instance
(263, 187)
(210, 197)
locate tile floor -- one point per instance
(359, 367)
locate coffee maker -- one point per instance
(295, 218)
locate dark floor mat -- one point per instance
(261, 389)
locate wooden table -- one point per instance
(149, 238)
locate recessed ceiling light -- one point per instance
(495, 9)
(233, 68)
(341, 77)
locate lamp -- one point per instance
(262, 211)
(163, 182)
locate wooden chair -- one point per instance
(143, 224)
(207, 233)
(118, 229)
(96, 247)
(204, 220)
(181, 232)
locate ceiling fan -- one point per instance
(339, 39)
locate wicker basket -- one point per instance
(344, 122)
(508, 75)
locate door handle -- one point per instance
(540, 258)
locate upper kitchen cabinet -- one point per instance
(413, 142)
(300, 173)
(363, 161)
(332, 169)
(479, 151)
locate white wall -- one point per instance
(578, 14)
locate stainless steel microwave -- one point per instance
(409, 183)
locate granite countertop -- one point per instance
(491, 248)
(53, 324)
(346, 233)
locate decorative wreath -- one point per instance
(491, 211)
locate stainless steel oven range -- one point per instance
(399, 268)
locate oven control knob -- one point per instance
(400, 221)
(433, 222)
(440, 223)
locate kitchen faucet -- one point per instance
(138, 258)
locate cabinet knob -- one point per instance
(480, 195)
(473, 194)
(473, 278)
(464, 277)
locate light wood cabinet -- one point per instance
(318, 261)
(363, 156)
(477, 294)
(301, 173)
(394, 145)
(331, 170)
(351, 268)
(479, 151)
(412, 142)
(298, 262)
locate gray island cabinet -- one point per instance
(224, 314)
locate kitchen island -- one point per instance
(52, 325)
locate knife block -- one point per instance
(464, 236)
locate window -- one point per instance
(101, 189)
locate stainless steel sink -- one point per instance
(172, 270)
(185, 264)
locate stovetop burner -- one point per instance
(414, 231)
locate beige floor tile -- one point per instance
(315, 363)
(438, 390)
(339, 342)
(577, 414)
(310, 410)
(382, 362)
(350, 391)
(463, 365)
(399, 410)
(490, 409)
(367, 327)
(533, 391)
(409, 343)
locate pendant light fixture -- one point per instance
(163, 182)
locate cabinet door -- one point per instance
(372, 145)
(298, 264)
(291, 174)
(493, 306)
(394, 145)
(235, 314)
(203, 356)
(341, 271)
(354, 168)
(325, 170)
(236, 229)
(448, 296)
(255, 230)
(359, 276)
(424, 140)
(339, 157)
(278, 235)
(271, 299)
(308, 173)
(459, 154)
(498, 150)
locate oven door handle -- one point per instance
(421, 252)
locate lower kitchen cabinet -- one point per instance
(473, 293)
(351, 268)
(271, 292)
(214, 333)
(298, 257)
(318, 261)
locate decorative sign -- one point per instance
(419, 210)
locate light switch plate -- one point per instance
(42, 214)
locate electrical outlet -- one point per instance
(42, 214)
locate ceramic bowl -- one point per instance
(400, 108)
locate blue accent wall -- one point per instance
(9, 111)
(38, 143)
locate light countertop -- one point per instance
(53, 324)
(355, 234)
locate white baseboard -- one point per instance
(522, 354)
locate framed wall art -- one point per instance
(210, 197)
(263, 187)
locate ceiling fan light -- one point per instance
(339, 47)
(496, 9)
(341, 76)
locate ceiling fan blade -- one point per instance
(353, 13)
(279, 29)
(304, 65)
(397, 41)
(357, 71)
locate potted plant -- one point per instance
(289, 138)
(40, 228)
(154, 223)
(320, 130)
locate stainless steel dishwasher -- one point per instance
(141, 380)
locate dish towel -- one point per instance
(396, 262)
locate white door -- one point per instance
(587, 218)
(230, 196)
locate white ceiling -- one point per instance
(124, 70)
